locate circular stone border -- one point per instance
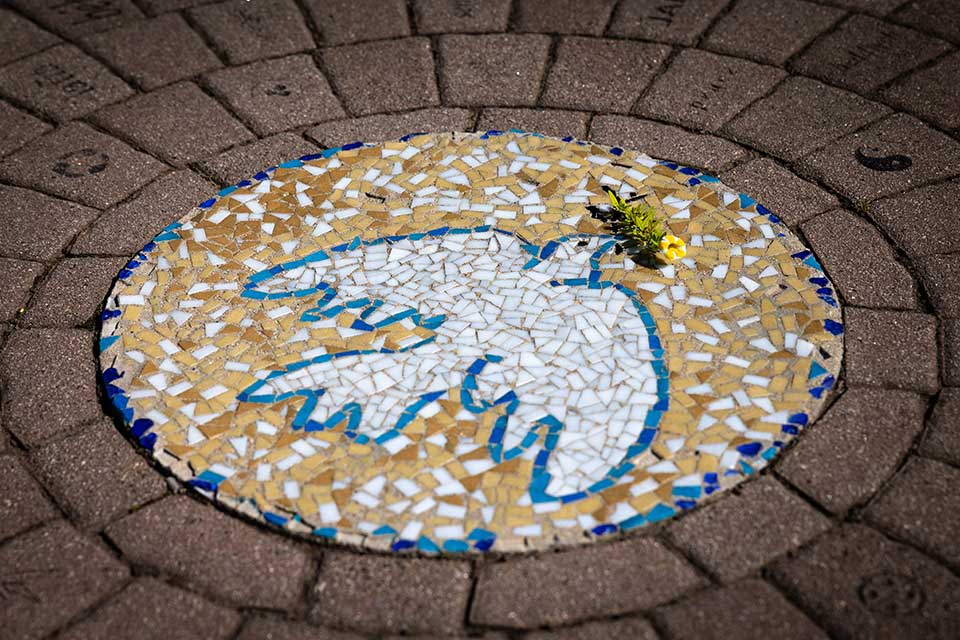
(822, 379)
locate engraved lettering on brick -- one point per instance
(16, 586)
(872, 158)
(81, 163)
(54, 75)
(710, 91)
(852, 55)
(81, 11)
(278, 89)
(891, 594)
(665, 12)
(465, 8)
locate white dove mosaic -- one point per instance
(440, 344)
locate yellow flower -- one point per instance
(673, 247)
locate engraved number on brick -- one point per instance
(82, 162)
(891, 594)
(894, 162)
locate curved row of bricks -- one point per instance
(851, 532)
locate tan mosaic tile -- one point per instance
(437, 343)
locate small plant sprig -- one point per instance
(641, 225)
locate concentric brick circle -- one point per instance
(440, 343)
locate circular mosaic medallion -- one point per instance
(439, 343)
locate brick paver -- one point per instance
(851, 450)
(277, 95)
(62, 83)
(152, 610)
(175, 95)
(154, 52)
(817, 114)
(858, 584)
(492, 70)
(767, 32)
(891, 349)
(863, 53)
(80, 164)
(96, 475)
(166, 136)
(384, 76)
(860, 263)
(53, 565)
(673, 21)
(49, 376)
(601, 75)
(749, 609)
(765, 519)
(425, 595)
(601, 580)
(214, 552)
(247, 31)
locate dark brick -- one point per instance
(384, 76)
(633, 628)
(852, 449)
(842, 164)
(672, 21)
(96, 475)
(550, 122)
(938, 16)
(154, 121)
(942, 439)
(492, 70)
(71, 295)
(242, 162)
(864, 53)
(80, 164)
(277, 95)
(18, 128)
(423, 595)
(817, 115)
(742, 532)
(50, 381)
(125, 229)
(876, 7)
(347, 21)
(388, 127)
(857, 584)
(950, 341)
(562, 16)
(19, 37)
(38, 227)
(769, 32)
(921, 505)
(592, 581)
(461, 16)
(151, 610)
(859, 261)
(601, 75)
(62, 82)
(72, 18)
(891, 349)
(214, 552)
(915, 220)
(274, 629)
(154, 52)
(23, 503)
(791, 198)
(747, 610)
(703, 90)
(941, 279)
(247, 31)
(50, 575)
(16, 279)
(930, 93)
(666, 142)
